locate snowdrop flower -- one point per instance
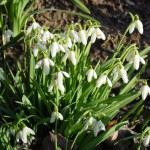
(71, 55)
(46, 36)
(97, 127)
(23, 134)
(145, 91)
(138, 25)
(8, 35)
(34, 26)
(46, 62)
(38, 46)
(82, 34)
(59, 81)
(75, 35)
(89, 122)
(97, 33)
(119, 70)
(102, 80)
(55, 115)
(56, 47)
(91, 73)
(146, 141)
(123, 74)
(137, 60)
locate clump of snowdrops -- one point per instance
(58, 87)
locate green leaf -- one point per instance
(80, 5)
(103, 136)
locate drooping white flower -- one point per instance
(56, 47)
(145, 91)
(55, 115)
(46, 36)
(22, 135)
(83, 37)
(59, 81)
(119, 70)
(75, 35)
(71, 55)
(98, 126)
(89, 122)
(102, 80)
(146, 141)
(8, 35)
(90, 74)
(138, 25)
(137, 60)
(123, 74)
(38, 46)
(46, 62)
(34, 26)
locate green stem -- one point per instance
(120, 43)
(75, 139)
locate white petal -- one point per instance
(136, 61)
(18, 136)
(101, 125)
(50, 88)
(124, 75)
(132, 27)
(61, 87)
(90, 31)
(29, 29)
(115, 76)
(73, 58)
(139, 26)
(96, 129)
(85, 127)
(90, 75)
(35, 26)
(146, 141)
(93, 37)
(69, 43)
(145, 91)
(75, 36)
(46, 66)
(29, 130)
(142, 60)
(95, 75)
(109, 82)
(35, 52)
(100, 34)
(101, 81)
(66, 74)
(83, 37)
(24, 135)
(40, 46)
(38, 64)
(53, 117)
(60, 116)
(51, 62)
(54, 49)
(61, 48)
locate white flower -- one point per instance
(34, 26)
(71, 55)
(75, 35)
(138, 25)
(102, 80)
(91, 73)
(59, 81)
(46, 36)
(137, 60)
(23, 134)
(146, 141)
(38, 46)
(56, 47)
(89, 122)
(55, 115)
(8, 35)
(46, 62)
(145, 91)
(119, 70)
(123, 74)
(83, 37)
(98, 126)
